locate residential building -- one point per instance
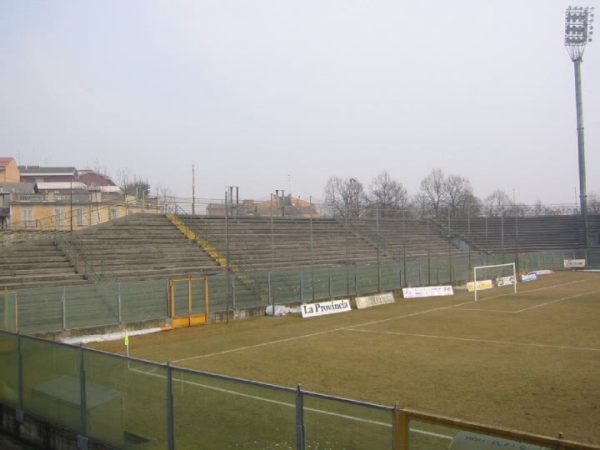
(61, 198)
(9, 171)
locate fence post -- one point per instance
(400, 429)
(119, 302)
(233, 289)
(82, 397)
(301, 285)
(400, 276)
(300, 428)
(169, 408)
(19, 373)
(269, 285)
(64, 309)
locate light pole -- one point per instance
(193, 190)
(578, 32)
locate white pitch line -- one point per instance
(224, 352)
(279, 341)
(531, 307)
(485, 310)
(290, 405)
(559, 300)
(485, 341)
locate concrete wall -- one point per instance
(38, 433)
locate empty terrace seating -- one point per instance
(511, 234)
(417, 238)
(35, 263)
(256, 243)
(144, 247)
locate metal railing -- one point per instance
(82, 258)
(122, 401)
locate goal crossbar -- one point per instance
(512, 275)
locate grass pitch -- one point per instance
(528, 361)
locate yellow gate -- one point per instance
(188, 301)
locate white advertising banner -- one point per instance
(323, 308)
(429, 291)
(374, 300)
(543, 272)
(529, 277)
(574, 262)
(505, 281)
(483, 284)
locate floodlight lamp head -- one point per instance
(578, 30)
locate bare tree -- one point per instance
(498, 203)
(459, 197)
(387, 195)
(432, 195)
(124, 178)
(166, 197)
(132, 184)
(345, 197)
(593, 203)
(539, 209)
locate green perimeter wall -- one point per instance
(94, 305)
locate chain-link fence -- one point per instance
(84, 306)
(126, 402)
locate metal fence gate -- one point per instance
(188, 301)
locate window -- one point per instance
(59, 217)
(80, 214)
(27, 217)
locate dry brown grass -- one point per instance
(529, 361)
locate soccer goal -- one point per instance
(486, 277)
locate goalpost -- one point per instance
(484, 277)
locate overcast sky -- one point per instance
(268, 95)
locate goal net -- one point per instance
(488, 277)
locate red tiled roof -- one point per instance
(4, 161)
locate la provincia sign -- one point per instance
(323, 308)
(428, 291)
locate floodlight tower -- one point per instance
(578, 32)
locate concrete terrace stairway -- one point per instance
(146, 246)
(34, 264)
